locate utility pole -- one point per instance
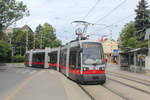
(26, 40)
(10, 42)
(33, 40)
(147, 37)
(149, 44)
(147, 63)
(41, 42)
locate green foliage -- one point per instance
(11, 11)
(19, 38)
(132, 35)
(128, 35)
(142, 44)
(5, 51)
(142, 19)
(129, 38)
(18, 58)
(46, 37)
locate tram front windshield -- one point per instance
(92, 54)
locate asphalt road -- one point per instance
(11, 75)
(24, 83)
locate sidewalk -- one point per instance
(116, 68)
(47, 85)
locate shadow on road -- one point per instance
(2, 64)
(2, 68)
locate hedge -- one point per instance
(18, 58)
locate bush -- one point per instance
(5, 52)
(18, 58)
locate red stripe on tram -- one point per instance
(75, 71)
(26, 62)
(40, 63)
(52, 64)
(94, 72)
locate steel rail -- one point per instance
(130, 86)
(129, 79)
(90, 96)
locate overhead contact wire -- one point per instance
(111, 11)
(91, 9)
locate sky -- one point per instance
(60, 14)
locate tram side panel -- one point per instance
(63, 56)
(74, 64)
(53, 60)
(38, 60)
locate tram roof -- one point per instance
(70, 44)
(77, 43)
(89, 41)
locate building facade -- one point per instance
(110, 47)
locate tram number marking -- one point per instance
(90, 46)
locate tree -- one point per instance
(46, 37)
(142, 19)
(19, 40)
(132, 35)
(128, 36)
(10, 12)
(38, 36)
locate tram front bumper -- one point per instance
(93, 77)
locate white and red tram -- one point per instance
(82, 61)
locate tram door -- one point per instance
(62, 63)
(53, 60)
(74, 63)
(38, 60)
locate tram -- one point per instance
(81, 61)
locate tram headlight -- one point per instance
(102, 68)
(85, 68)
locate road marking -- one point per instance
(20, 87)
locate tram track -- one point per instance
(93, 91)
(89, 95)
(133, 87)
(117, 93)
(138, 81)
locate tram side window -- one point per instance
(63, 57)
(38, 57)
(41, 57)
(53, 58)
(34, 57)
